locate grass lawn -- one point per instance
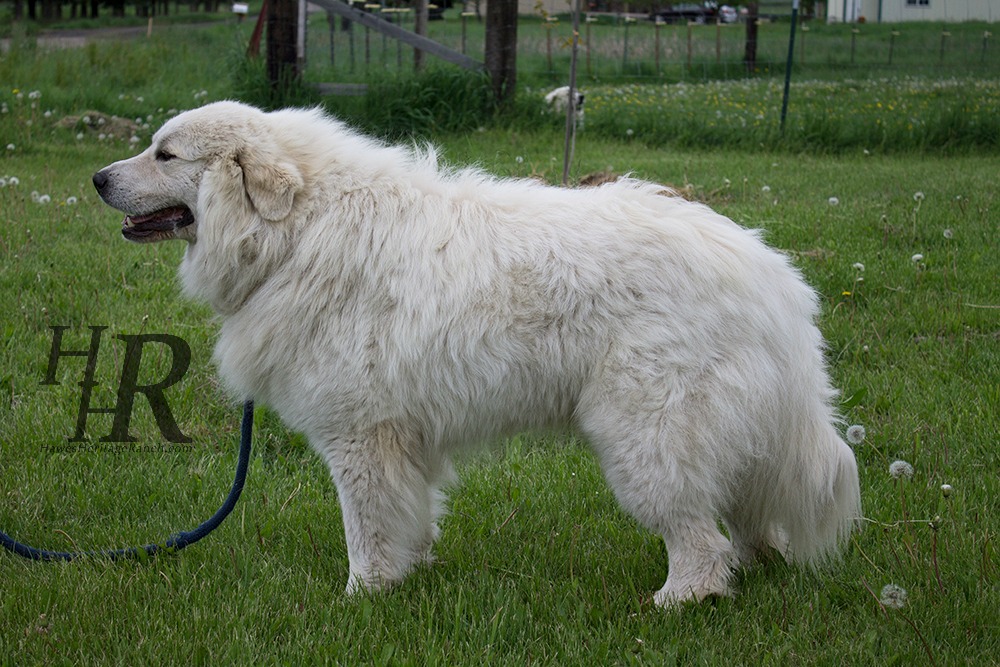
(536, 563)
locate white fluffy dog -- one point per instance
(394, 312)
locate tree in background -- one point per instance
(501, 47)
(282, 55)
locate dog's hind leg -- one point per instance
(387, 501)
(662, 474)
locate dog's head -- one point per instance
(162, 190)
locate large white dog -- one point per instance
(395, 311)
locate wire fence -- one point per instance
(629, 47)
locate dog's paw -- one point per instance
(670, 598)
(366, 584)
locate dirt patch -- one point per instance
(95, 122)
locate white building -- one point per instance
(894, 11)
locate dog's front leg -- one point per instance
(387, 504)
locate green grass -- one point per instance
(536, 563)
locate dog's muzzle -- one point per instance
(159, 225)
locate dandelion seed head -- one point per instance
(916, 259)
(893, 596)
(918, 196)
(856, 434)
(629, 132)
(71, 201)
(948, 234)
(900, 469)
(858, 266)
(519, 159)
(766, 188)
(11, 147)
(13, 180)
(44, 199)
(946, 490)
(833, 201)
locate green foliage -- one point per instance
(251, 84)
(438, 99)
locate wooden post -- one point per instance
(657, 23)
(501, 48)
(718, 42)
(750, 50)
(690, 45)
(571, 98)
(282, 61)
(419, 27)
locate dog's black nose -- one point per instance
(100, 180)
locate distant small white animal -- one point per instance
(559, 98)
(396, 312)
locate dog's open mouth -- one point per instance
(157, 226)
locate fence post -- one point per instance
(718, 41)
(571, 101)
(892, 43)
(690, 24)
(788, 63)
(628, 20)
(550, 22)
(331, 20)
(590, 19)
(657, 23)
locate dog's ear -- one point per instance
(269, 181)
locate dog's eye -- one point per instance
(164, 156)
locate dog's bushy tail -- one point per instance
(818, 501)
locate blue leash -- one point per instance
(175, 542)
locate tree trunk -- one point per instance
(282, 28)
(501, 48)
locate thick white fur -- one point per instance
(395, 312)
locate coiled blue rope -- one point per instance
(175, 542)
